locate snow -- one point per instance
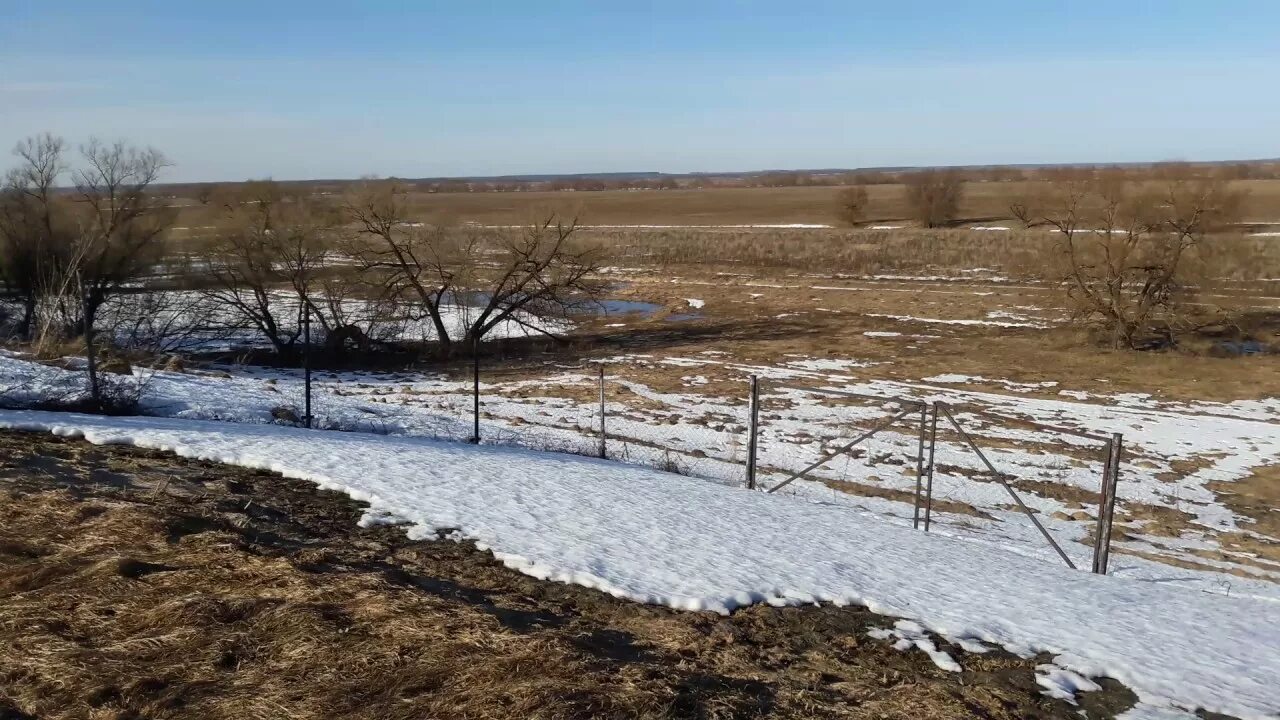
(1063, 684)
(885, 227)
(659, 538)
(996, 228)
(881, 334)
(1265, 234)
(946, 321)
(1101, 231)
(695, 303)
(951, 378)
(955, 379)
(909, 634)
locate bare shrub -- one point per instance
(933, 196)
(159, 322)
(852, 204)
(1131, 257)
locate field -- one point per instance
(707, 289)
(986, 202)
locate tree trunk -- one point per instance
(28, 316)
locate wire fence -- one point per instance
(951, 462)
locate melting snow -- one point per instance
(626, 531)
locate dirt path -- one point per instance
(135, 584)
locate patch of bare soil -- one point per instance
(134, 584)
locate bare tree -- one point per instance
(851, 205)
(537, 276)
(933, 196)
(35, 236)
(267, 260)
(120, 229)
(525, 278)
(1125, 252)
(71, 251)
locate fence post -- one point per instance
(915, 503)
(1107, 506)
(475, 390)
(1102, 504)
(753, 423)
(928, 490)
(306, 366)
(603, 435)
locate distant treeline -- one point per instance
(1244, 170)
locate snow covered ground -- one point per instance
(1174, 453)
(655, 537)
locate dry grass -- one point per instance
(1017, 253)
(139, 585)
(983, 202)
(824, 317)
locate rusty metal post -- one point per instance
(753, 430)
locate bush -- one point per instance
(933, 196)
(851, 205)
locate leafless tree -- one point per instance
(933, 196)
(851, 205)
(269, 252)
(120, 229)
(77, 249)
(1126, 252)
(35, 233)
(525, 278)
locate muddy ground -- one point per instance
(134, 584)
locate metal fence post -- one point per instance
(753, 428)
(1102, 504)
(306, 367)
(603, 435)
(928, 490)
(915, 505)
(1107, 510)
(475, 390)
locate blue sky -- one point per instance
(232, 89)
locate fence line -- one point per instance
(925, 455)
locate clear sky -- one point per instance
(290, 89)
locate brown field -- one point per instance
(135, 585)
(985, 202)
